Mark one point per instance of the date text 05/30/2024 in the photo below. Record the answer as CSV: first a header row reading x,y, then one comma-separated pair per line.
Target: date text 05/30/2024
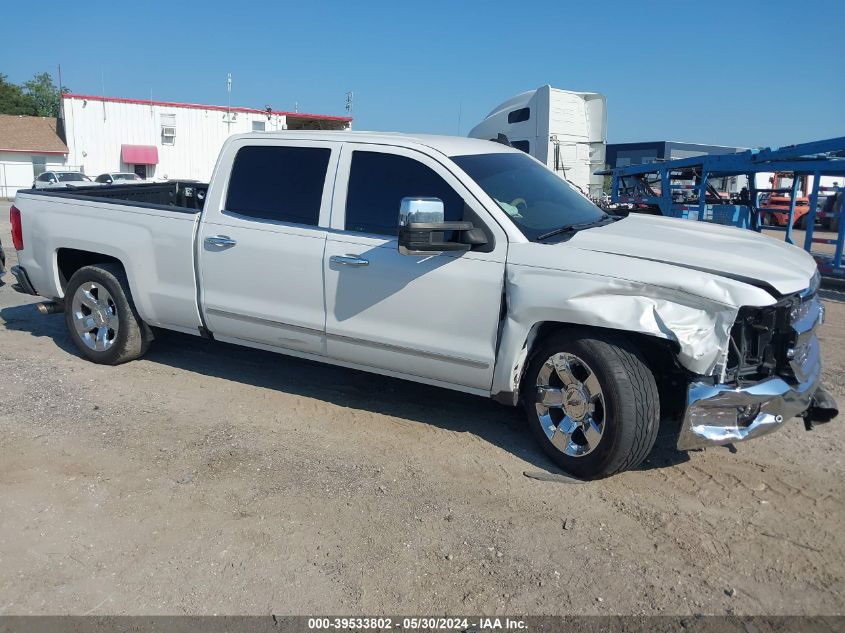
x,y
417,623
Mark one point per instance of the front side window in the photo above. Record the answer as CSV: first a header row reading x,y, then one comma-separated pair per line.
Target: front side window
x,y
535,198
103,178
284,184
377,184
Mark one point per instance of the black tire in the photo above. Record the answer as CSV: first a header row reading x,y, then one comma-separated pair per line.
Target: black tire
x,y
631,413
133,336
801,223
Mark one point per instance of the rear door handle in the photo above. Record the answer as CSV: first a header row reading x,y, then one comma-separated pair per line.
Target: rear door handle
x,y
220,240
349,260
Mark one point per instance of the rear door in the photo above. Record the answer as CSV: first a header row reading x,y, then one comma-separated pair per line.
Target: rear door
x,y
430,316
261,249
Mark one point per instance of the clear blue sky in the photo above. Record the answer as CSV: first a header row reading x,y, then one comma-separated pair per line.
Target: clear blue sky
x,y
743,73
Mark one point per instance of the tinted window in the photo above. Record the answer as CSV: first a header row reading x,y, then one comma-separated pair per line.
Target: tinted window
x,y
377,184
522,145
103,178
278,183
518,116
70,176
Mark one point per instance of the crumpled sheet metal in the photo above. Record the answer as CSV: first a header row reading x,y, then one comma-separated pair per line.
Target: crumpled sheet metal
x,y
659,303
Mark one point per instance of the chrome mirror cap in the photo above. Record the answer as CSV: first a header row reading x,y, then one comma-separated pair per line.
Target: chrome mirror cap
x,y
421,210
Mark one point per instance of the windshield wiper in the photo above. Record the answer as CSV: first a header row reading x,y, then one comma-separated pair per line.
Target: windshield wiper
x,y
569,228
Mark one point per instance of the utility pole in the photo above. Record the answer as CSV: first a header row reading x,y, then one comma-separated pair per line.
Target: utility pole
x,y
349,96
61,99
229,102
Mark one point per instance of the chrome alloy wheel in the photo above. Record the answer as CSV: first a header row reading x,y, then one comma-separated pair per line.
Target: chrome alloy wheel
x,y
570,404
95,316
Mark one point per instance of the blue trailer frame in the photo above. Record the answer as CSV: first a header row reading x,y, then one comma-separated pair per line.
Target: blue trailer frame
x,y
817,158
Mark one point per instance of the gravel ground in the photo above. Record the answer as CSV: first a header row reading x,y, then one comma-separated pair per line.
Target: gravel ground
x,y
207,478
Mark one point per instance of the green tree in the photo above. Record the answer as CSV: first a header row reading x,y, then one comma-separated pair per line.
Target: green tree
x,y
43,94
13,100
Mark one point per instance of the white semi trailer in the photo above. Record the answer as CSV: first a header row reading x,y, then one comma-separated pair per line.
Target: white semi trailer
x,y
565,130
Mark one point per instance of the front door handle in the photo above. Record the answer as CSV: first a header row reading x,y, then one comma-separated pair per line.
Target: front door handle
x,y
223,241
349,260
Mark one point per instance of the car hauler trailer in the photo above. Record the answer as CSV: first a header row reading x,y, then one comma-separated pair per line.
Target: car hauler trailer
x,y
684,189
565,130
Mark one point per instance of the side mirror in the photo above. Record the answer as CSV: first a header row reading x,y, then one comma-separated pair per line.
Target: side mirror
x,y
422,228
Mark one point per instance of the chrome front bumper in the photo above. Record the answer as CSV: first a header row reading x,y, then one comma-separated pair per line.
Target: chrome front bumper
x,y
722,414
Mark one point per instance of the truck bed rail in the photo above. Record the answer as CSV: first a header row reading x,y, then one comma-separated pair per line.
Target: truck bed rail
x,y
175,195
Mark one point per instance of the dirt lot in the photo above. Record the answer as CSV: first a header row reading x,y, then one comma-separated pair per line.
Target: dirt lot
x,y
208,478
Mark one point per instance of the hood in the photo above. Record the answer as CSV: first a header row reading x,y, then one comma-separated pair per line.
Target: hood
x,y
730,252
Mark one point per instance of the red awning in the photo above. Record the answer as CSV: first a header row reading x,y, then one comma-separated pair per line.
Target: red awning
x,y
139,154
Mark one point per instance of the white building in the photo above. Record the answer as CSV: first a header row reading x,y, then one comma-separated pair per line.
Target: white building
x,y
29,146
161,139
565,130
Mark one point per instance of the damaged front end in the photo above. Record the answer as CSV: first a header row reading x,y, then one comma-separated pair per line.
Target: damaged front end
x,y
771,374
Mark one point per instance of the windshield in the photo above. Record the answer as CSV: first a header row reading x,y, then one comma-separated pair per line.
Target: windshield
x,y
126,177
70,176
535,199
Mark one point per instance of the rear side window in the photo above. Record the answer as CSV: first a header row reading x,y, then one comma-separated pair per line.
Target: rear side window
x,y
284,184
377,184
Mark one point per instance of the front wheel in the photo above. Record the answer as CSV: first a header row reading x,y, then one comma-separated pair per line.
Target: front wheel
x,y
592,402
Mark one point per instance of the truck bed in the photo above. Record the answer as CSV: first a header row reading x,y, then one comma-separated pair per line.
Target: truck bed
x,y
149,228
175,195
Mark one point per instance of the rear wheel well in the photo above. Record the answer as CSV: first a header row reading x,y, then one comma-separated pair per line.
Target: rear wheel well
x,y
660,355
69,260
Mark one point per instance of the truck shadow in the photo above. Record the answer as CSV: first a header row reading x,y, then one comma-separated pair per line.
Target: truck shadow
x,y
499,425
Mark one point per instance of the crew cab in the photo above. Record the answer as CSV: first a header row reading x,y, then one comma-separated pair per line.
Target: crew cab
x,y
461,263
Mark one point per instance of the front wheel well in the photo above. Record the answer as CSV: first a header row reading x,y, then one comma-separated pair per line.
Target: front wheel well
x,y
69,260
660,356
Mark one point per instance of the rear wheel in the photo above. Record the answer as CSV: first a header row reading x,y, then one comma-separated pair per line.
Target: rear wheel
x,y
592,402
101,317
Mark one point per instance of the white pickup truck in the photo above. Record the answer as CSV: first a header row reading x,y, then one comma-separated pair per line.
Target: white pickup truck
x,y
455,262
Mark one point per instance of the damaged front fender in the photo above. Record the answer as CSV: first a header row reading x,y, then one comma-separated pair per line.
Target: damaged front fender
x,y
660,303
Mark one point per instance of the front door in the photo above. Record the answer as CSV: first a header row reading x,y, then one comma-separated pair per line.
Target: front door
x,y
434,316
141,171
261,246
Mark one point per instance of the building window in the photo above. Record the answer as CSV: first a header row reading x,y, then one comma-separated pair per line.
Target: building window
x,y
168,129
283,184
518,116
39,165
258,126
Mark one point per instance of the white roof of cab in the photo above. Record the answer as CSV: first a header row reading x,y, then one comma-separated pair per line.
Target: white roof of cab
x,y
448,145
